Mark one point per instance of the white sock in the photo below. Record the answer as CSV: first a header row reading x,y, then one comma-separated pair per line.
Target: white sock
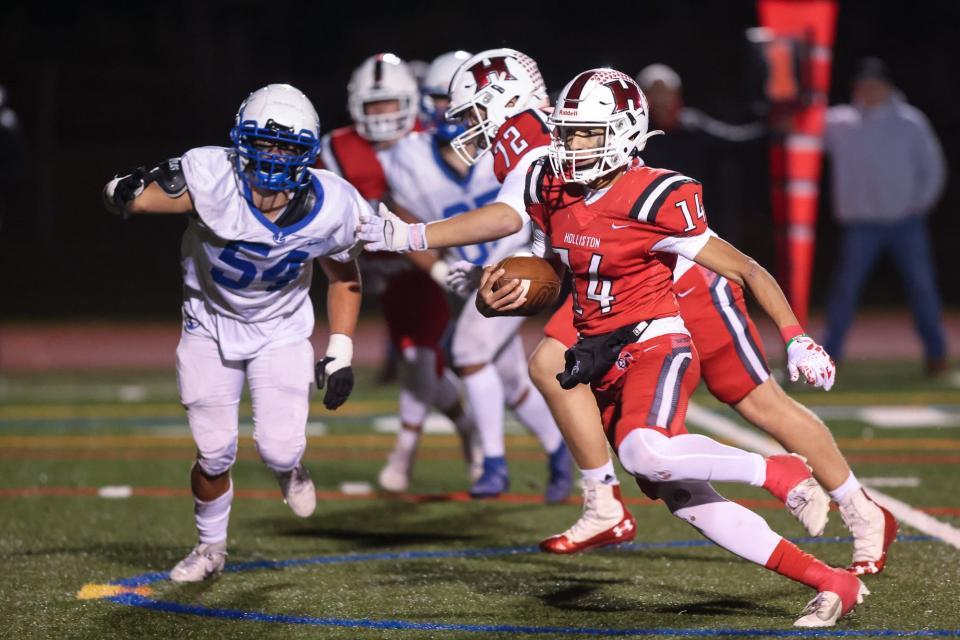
x,y
649,453
729,525
605,474
212,517
484,391
407,440
850,486
535,415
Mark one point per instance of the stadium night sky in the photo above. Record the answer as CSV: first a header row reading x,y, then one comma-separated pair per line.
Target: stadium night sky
x,y
100,88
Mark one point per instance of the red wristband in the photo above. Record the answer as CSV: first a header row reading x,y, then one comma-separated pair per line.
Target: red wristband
x,y
790,332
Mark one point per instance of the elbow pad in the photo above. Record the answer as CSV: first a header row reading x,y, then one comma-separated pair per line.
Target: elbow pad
x,y
169,176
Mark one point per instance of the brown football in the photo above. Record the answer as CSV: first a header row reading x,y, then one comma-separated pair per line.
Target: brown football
x,y
539,279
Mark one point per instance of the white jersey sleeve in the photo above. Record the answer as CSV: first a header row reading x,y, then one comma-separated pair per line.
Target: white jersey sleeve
x,y
421,181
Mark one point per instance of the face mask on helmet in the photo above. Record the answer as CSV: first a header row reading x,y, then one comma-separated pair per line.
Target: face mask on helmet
x,y
486,90
435,96
276,138
600,124
382,98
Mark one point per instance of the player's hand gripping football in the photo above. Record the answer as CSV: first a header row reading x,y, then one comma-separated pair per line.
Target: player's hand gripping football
x,y
507,297
334,371
464,277
807,358
387,232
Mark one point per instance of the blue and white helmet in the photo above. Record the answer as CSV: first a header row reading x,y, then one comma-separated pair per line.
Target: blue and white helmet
x,y
277,137
436,82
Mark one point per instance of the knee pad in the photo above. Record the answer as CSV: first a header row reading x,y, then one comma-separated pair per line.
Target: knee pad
x,y
214,431
641,454
280,454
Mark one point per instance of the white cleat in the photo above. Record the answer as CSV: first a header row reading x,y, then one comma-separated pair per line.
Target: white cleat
x,y
605,520
809,504
874,529
395,476
298,491
827,607
205,561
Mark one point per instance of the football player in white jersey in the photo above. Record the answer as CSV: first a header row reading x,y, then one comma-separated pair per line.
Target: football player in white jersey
x,y
429,181
382,100
257,217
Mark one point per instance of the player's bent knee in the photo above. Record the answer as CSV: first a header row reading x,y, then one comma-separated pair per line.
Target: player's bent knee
x,y
281,454
217,459
641,455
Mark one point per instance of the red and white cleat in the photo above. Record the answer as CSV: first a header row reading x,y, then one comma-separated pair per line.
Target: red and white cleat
x,y
874,529
789,479
605,520
838,597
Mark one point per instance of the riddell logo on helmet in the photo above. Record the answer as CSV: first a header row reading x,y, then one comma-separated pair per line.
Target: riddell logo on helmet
x,y
490,70
567,112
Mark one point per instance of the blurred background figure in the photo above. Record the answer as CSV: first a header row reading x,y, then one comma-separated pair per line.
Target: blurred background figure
x,y
10,155
699,146
888,172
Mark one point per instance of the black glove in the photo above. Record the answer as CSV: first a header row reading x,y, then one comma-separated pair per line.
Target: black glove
x,y
592,356
126,189
339,383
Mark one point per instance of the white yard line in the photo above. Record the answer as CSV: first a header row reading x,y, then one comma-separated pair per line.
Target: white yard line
x,y
752,439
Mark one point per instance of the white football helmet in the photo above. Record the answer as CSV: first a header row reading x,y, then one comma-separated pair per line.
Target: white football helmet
x,y
598,98
487,89
277,136
436,82
383,77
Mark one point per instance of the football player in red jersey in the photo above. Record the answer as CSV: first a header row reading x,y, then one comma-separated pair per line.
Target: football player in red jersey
x,y
383,103
618,226
733,366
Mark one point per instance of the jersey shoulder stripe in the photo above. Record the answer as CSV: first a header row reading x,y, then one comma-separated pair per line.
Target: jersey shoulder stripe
x,y
533,190
655,194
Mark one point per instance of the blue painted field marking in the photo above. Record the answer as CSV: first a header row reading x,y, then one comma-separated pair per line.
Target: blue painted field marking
x,y
143,602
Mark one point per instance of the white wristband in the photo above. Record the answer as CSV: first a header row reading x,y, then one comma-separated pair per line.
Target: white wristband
x,y
340,348
439,272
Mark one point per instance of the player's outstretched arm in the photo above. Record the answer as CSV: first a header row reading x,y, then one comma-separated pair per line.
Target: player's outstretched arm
x,y
804,356
334,371
387,232
160,190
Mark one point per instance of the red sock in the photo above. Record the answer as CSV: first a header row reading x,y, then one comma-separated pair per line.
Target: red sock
x,y
784,472
789,561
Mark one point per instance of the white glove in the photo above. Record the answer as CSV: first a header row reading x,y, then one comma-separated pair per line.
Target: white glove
x,y
387,232
464,277
806,357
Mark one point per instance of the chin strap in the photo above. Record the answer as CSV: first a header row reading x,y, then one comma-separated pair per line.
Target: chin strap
x,y
642,141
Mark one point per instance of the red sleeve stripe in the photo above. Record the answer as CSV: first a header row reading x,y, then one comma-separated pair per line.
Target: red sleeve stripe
x,y
648,204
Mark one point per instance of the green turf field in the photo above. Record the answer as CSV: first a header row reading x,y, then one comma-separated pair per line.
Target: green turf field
x,y
430,565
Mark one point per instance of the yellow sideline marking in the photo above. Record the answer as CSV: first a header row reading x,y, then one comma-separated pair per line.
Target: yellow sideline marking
x,y
93,591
